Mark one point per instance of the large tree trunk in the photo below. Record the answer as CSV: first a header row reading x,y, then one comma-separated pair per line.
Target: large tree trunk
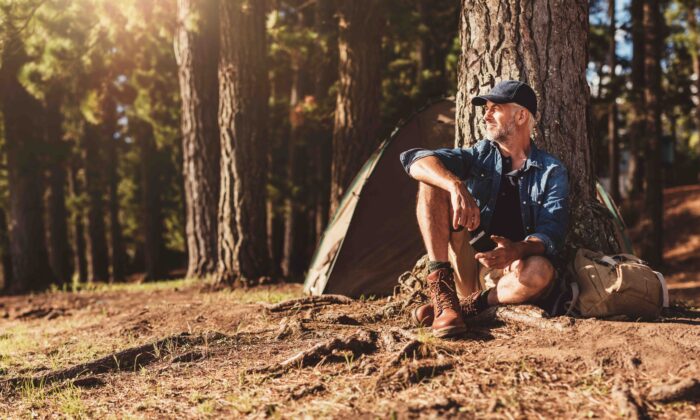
x,y
652,241
23,142
151,209
635,183
357,118
78,216
613,138
243,89
57,220
544,45
97,256
197,52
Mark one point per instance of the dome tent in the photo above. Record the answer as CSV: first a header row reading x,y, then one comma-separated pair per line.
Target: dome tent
x,y
373,236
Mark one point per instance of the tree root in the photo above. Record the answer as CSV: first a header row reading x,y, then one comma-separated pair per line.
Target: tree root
x,y
308,302
412,373
361,342
523,315
628,403
684,390
129,359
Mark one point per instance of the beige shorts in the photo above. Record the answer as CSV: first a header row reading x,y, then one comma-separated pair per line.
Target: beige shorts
x,y
469,274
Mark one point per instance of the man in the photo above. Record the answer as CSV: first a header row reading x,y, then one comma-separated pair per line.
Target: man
x,y
504,185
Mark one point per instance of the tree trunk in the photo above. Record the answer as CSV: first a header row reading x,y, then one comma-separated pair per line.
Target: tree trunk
x,y
534,42
242,246
357,118
97,256
23,142
116,240
76,192
197,52
151,211
652,241
613,138
5,258
636,133
58,244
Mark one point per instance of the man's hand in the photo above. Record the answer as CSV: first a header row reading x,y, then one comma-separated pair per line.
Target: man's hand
x,y
465,212
503,255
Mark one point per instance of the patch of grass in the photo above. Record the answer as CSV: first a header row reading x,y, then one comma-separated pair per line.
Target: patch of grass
x,y
264,294
14,342
70,403
133,287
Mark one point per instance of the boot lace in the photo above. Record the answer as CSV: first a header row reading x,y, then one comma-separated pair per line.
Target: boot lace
x,y
444,292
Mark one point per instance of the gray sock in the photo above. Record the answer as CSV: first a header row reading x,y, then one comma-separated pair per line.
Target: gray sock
x,y
437,265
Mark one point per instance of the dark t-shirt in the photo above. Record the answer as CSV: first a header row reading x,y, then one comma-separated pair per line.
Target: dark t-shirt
x,y
506,220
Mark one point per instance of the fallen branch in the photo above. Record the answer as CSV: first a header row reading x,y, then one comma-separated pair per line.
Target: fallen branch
x,y
410,350
683,390
523,315
309,301
129,359
358,343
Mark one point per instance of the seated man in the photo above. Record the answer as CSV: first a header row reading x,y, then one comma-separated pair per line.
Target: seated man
x,y
505,186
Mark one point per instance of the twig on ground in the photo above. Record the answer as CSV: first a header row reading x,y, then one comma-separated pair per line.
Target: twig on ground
x,y
398,379
628,404
309,301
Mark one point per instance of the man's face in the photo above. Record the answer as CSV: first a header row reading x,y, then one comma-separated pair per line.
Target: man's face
x,y
500,121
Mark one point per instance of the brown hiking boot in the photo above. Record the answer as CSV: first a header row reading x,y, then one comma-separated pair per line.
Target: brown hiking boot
x,y
447,320
423,315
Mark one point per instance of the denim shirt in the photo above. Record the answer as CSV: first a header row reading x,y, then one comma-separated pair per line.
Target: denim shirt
x,y
544,187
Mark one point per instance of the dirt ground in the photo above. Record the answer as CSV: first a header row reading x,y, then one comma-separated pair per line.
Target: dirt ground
x,y
177,349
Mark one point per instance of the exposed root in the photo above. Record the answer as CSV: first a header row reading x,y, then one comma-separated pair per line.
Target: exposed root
x,y
361,342
308,302
290,327
412,373
523,315
189,357
412,349
129,359
341,319
396,307
629,404
683,390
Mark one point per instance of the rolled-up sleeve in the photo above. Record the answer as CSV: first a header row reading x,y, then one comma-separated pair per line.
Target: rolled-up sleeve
x,y
458,161
553,219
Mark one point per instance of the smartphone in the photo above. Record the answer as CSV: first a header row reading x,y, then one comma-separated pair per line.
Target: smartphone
x,y
481,242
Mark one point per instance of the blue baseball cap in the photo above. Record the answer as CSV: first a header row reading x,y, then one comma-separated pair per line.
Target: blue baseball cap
x,y
510,91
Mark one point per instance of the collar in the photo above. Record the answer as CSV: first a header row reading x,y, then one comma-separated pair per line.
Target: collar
x,y
534,159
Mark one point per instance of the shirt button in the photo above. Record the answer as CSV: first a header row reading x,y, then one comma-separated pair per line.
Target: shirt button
x,y
524,202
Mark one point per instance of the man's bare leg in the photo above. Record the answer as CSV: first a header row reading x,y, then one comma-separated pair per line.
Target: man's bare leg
x,y
433,212
525,280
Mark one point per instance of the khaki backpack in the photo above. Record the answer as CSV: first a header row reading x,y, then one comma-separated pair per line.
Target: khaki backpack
x,y
612,285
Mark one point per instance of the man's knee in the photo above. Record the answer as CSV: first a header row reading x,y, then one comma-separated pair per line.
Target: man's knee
x,y
535,272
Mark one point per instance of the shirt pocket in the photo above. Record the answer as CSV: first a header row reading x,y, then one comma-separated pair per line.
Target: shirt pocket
x,y
534,203
479,184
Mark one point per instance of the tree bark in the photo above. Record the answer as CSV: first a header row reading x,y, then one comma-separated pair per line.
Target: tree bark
x,y
357,118
5,258
197,52
76,192
243,89
652,241
613,138
97,256
23,142
544,44
691,9
57,220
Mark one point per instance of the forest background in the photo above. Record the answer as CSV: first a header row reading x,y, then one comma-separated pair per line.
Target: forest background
x,y
116,154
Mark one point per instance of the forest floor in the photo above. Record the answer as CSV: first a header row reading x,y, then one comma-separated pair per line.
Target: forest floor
x,y
177,349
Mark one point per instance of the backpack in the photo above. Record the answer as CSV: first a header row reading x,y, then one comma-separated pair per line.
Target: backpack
x,y
613,285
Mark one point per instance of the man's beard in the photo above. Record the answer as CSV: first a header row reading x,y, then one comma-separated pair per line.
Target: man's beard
x,y
501,134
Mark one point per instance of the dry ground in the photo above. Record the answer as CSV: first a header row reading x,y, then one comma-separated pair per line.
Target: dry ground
x,y
175,349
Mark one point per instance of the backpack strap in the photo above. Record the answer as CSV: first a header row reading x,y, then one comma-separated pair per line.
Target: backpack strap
x,y
664,288
574,299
